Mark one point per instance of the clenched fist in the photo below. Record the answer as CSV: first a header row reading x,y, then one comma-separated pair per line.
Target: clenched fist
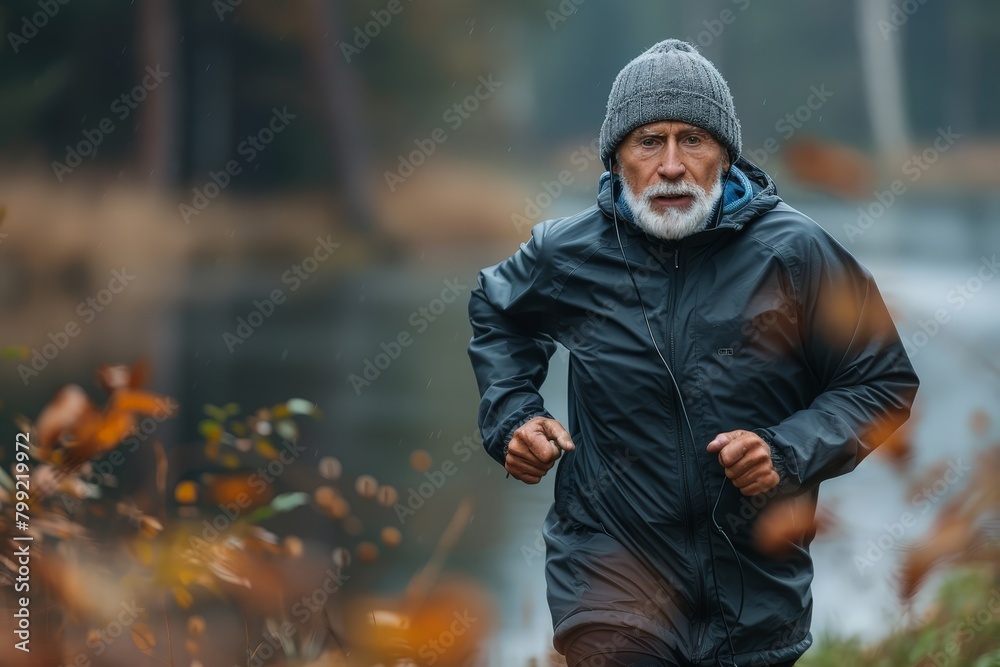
x,y
747,460
535,447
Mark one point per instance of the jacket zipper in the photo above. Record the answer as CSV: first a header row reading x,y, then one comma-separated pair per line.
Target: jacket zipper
x,y
679,415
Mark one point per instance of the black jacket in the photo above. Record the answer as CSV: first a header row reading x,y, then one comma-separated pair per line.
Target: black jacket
x,y
769,325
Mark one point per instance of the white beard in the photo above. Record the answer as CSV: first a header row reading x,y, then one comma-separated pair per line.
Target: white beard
x,y
673,224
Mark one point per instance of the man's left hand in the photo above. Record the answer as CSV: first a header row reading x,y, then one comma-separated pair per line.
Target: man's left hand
x,y
747,460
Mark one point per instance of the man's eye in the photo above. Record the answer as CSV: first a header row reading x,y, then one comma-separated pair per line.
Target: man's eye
x,y
693,140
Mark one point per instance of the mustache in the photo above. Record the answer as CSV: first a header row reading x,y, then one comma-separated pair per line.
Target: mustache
x,y
672,190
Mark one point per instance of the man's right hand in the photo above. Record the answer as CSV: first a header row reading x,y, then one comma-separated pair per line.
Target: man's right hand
x,y
535,447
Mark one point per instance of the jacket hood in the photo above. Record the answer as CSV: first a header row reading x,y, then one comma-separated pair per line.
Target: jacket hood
x,y
749,193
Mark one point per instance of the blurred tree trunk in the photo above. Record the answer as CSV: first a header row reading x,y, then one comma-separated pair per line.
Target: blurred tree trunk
x,y
964,58
209,90
342,103
158,38
883,76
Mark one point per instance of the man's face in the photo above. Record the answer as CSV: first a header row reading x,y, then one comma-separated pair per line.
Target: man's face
x,y
672,171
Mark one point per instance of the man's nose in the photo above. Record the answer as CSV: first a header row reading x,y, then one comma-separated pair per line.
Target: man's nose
x,y
671,166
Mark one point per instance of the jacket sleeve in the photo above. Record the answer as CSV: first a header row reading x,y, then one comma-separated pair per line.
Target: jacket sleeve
x,y
865,379
510,310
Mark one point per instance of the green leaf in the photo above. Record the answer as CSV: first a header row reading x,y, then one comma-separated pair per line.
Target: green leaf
x,y
6,481
209,428
16,352
289,501
300,406
283,503
215,412
287,429
989,660
926,643
260,514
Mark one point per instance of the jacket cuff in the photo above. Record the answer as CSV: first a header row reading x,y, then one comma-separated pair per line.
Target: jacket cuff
x,y
516,420
787,480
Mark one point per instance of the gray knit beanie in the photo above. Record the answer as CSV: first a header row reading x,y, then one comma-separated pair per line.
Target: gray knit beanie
x,y
670,81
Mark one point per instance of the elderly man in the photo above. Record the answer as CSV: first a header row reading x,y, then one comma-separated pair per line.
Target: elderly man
x,y
726,354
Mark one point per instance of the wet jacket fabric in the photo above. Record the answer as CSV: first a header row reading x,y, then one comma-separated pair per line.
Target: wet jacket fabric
x,y
768,324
